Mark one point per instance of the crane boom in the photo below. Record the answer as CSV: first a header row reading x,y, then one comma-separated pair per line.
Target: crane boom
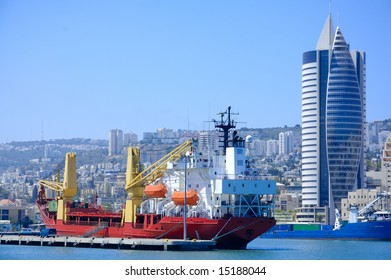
x,y
156,170
380,196
56,186
136,180
67,188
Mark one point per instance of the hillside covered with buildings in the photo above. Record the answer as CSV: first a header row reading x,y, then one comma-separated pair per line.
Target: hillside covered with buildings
x,y
273,152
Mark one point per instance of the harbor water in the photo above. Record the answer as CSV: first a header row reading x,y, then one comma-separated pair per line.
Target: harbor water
x,y
259,249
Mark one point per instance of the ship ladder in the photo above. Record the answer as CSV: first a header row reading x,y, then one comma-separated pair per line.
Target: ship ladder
x,y
95,230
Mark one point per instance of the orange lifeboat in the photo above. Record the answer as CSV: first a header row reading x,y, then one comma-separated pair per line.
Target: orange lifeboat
x,y
155,191
179,197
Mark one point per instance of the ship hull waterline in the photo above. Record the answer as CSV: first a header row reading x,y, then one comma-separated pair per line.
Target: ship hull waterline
x,y
229,233
366,231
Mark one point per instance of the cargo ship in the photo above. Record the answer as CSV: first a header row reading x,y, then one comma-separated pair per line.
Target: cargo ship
x,y
366,224
186,194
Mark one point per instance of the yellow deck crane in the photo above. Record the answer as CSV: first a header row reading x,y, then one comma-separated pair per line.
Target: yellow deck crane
x,y
136,180
65,190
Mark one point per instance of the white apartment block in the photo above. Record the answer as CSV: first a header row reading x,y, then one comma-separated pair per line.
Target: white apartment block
x,y
386,165
116,141
285,143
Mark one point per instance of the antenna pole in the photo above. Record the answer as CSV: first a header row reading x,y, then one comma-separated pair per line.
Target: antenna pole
x,y
225,126
184,203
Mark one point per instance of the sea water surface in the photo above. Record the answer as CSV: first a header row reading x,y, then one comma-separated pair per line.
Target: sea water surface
x,y
259,249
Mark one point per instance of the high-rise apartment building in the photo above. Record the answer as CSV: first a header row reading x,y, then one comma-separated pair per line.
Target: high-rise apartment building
x,y
386,165
116,141
130,138
259,147
333,120
271,148
285,142
208,141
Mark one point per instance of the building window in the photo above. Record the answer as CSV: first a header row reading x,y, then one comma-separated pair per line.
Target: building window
x,y
5,214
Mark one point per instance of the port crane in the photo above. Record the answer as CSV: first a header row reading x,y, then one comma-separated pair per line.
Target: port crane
x,y
68,186
65,190
369,205
136,180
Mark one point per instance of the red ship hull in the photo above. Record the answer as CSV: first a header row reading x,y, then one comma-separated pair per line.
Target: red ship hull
x,y
229,233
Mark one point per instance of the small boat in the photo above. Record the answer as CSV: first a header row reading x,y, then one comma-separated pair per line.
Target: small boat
x,y
365,224
191,198
29,231
155,191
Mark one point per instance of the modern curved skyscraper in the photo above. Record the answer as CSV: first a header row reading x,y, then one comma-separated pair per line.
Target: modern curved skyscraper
x,y
333,120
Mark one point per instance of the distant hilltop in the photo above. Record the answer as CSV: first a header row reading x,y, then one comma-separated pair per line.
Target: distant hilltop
x,y
90,151
72,141
262,133
22,153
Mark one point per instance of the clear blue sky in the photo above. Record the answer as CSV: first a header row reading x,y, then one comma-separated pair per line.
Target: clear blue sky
x,y
80,68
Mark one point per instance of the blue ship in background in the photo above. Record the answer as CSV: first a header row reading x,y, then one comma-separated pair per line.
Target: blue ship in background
x,y
366,224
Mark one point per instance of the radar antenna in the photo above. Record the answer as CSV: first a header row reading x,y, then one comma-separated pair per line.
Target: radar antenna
x,y
224,126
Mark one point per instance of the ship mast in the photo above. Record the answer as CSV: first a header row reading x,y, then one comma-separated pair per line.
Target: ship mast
x,y
225,125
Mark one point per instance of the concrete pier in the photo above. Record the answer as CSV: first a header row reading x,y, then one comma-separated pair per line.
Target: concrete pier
x,y
111,243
